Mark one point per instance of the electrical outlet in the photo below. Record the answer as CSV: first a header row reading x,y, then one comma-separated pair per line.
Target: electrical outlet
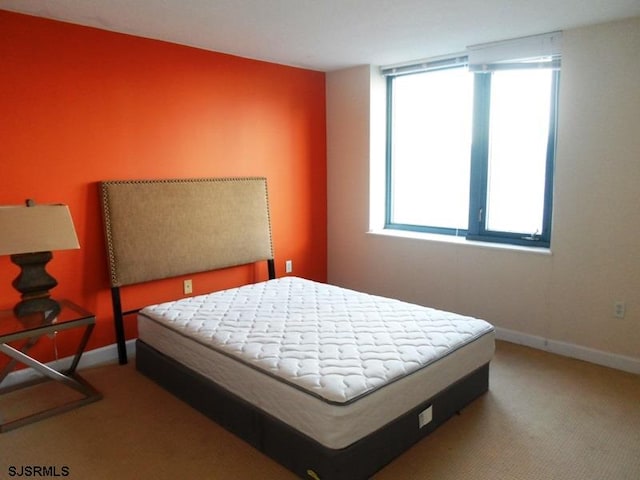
x,y
188,287
288,266
619,309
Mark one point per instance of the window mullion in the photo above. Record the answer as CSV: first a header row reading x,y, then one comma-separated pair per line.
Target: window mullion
x,y
550,164
389,150
479,154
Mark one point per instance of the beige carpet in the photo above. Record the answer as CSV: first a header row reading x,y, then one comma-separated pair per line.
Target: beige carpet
x,y
545,417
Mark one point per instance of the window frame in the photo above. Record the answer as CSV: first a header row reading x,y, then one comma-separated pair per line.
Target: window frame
x,y
478,157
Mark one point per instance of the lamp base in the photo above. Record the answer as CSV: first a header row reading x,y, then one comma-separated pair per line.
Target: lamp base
x,y
48,307
34,284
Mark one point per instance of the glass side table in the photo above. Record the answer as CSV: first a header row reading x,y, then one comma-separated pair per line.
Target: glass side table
x,y
24,333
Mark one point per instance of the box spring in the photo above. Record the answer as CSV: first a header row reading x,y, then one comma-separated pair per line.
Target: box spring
x,y
297,452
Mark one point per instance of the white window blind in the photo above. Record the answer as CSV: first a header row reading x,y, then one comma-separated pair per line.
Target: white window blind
x,y
536,51
527,52
425,65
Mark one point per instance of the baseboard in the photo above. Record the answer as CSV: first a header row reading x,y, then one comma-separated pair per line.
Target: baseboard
x,y
91,358
599,357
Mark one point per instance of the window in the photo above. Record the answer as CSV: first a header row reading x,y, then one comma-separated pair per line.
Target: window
x,y
431,142
470,148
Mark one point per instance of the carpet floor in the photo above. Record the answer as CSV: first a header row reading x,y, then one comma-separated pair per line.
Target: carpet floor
x,y
545,417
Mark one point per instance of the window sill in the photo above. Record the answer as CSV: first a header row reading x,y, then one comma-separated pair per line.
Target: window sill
x,y
450,239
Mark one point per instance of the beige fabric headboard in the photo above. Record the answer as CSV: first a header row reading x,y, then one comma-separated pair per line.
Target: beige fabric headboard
x,y
164,228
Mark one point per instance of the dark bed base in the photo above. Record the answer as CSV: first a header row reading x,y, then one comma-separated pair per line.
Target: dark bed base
x,y
294,450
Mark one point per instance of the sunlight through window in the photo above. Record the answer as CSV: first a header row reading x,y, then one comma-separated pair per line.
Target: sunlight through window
x,y
519,131
432,142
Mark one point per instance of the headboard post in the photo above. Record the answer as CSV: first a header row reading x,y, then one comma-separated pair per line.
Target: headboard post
x,y
271,266
118,321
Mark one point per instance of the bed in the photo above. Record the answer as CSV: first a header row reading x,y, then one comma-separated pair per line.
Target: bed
x,y
330,382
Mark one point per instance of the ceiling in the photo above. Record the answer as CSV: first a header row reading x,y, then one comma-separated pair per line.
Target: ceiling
x,y
328,35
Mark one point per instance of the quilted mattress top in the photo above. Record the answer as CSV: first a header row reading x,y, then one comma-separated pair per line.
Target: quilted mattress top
x,y
328,341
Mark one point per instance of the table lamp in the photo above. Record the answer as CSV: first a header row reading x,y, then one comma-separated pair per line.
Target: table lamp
x,y
29,233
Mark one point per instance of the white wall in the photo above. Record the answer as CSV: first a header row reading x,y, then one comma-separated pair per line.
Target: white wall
x,y
561,301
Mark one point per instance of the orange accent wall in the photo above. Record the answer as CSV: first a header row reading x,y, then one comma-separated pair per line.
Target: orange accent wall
x,y
79,105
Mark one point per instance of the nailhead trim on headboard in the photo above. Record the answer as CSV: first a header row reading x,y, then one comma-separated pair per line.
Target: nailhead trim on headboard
x,y
190,226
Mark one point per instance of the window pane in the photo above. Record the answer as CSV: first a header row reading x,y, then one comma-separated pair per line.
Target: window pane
x,y
519,129
431,120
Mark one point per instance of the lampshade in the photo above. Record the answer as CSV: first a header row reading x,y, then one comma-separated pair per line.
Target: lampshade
x,y
29,234
39,228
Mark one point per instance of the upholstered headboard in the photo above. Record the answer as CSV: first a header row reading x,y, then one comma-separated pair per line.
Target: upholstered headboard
x,y
158,229
164,228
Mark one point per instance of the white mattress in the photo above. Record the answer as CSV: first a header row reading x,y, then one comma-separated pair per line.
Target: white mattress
x,y
333,363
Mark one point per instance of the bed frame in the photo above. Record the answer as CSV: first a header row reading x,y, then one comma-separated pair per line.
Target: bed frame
x,y
197,225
